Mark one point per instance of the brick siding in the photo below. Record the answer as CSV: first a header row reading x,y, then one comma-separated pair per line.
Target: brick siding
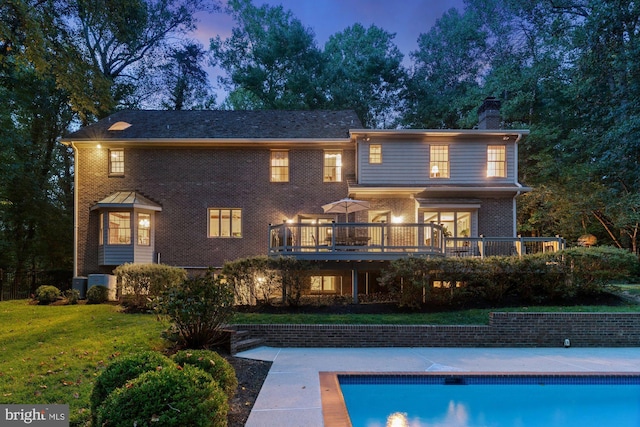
x,y
187,181
504,330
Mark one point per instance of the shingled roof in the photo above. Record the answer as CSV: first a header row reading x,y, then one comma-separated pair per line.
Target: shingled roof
x,y
258,124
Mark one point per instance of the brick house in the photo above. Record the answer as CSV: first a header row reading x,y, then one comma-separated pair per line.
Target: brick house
x,y
197,188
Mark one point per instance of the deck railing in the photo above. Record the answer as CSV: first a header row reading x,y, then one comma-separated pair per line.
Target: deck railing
x,y
386,241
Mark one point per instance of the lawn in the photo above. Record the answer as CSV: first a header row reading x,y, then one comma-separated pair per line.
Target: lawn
x,y
462,317
52,354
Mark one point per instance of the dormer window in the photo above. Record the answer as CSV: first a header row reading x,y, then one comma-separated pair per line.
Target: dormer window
x,y
375,154
119,126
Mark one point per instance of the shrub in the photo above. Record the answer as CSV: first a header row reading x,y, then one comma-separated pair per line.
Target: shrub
x,y
47,294
212,363
169,397
295,277
592,268
123,369
253,280
72,295
97,295
198,309
140,283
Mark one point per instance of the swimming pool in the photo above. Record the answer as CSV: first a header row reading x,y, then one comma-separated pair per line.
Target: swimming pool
x,y
491,400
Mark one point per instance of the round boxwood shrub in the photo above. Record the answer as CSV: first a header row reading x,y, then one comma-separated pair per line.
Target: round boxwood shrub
x,y
212,363
171,397
47,294
123,369
97,295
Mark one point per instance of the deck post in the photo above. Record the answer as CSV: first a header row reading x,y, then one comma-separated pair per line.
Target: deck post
x,y
354,284
481,246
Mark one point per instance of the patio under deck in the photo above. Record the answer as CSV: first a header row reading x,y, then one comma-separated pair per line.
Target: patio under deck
x,y
382,242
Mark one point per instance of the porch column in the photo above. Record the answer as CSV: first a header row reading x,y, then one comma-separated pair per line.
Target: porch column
x,y
354,285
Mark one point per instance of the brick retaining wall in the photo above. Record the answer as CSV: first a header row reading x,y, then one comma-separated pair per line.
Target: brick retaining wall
x,y
504,330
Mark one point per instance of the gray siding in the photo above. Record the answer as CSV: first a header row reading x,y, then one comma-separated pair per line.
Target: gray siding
x,y
407,163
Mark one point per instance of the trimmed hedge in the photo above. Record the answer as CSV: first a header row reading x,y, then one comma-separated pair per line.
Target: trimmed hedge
x,y
170,397
140,283
541,278
212,363
123,369
47,294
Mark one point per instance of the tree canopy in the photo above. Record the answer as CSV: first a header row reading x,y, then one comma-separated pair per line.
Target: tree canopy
x,y
567,70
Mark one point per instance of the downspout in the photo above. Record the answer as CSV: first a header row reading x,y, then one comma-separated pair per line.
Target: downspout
x,y
75,209
515,212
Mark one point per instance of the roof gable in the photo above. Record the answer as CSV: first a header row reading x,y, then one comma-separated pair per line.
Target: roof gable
x,y
256,124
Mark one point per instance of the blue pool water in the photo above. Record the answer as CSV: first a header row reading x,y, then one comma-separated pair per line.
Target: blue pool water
x,y
511,402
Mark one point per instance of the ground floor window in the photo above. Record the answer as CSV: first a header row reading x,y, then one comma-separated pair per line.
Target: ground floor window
x,y
456,224
322,284
119,228
144,229
224,222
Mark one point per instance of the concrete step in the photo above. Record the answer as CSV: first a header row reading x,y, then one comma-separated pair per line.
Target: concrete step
x,y
246,344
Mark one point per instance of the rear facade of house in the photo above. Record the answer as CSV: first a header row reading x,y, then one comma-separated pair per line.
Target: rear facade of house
x,y
197,188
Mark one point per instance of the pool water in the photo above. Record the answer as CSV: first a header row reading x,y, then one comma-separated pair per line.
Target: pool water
x,y
462,404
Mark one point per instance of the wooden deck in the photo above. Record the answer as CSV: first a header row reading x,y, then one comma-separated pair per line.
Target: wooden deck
x,y
382,241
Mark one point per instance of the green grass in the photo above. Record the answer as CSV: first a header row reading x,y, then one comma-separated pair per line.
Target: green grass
x,y
52,354
463,317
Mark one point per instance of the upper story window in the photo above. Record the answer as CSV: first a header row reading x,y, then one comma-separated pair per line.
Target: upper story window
x,y
225,222
119,228
116,162
332,166
439,161
496,161
279,166
375,154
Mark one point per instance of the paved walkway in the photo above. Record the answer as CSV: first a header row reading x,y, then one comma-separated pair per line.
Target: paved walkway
x,y
290,396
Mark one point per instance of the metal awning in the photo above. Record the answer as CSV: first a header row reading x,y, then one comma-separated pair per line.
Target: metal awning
x,y
127,200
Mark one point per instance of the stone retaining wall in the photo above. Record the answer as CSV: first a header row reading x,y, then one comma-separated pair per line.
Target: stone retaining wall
x,y
504,330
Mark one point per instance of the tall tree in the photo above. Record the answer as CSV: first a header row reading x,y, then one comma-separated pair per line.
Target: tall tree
x,y
271,58
444,84
120,36
185,80
364,72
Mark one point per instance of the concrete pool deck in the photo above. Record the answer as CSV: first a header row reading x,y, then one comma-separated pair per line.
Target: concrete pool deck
x,y
290,395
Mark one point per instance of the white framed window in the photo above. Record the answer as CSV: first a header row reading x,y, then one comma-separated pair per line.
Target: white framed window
x,y
332,169
439,161
375,154
279,166
116,162
144,229
225,222
101,235
321,284
496,161
119,228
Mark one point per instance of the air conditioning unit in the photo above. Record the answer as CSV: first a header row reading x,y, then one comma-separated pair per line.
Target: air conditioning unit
x,y
107,280
80,284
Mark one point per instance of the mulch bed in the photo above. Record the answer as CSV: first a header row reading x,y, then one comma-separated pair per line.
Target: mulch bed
x,y
251,375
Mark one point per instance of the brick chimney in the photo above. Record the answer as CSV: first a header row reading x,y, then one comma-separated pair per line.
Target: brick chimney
x,y
489,114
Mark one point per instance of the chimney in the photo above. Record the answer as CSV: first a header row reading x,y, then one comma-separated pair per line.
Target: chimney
x,y
489,114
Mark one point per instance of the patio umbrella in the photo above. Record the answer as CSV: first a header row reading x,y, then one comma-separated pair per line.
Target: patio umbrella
x,y
346,206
